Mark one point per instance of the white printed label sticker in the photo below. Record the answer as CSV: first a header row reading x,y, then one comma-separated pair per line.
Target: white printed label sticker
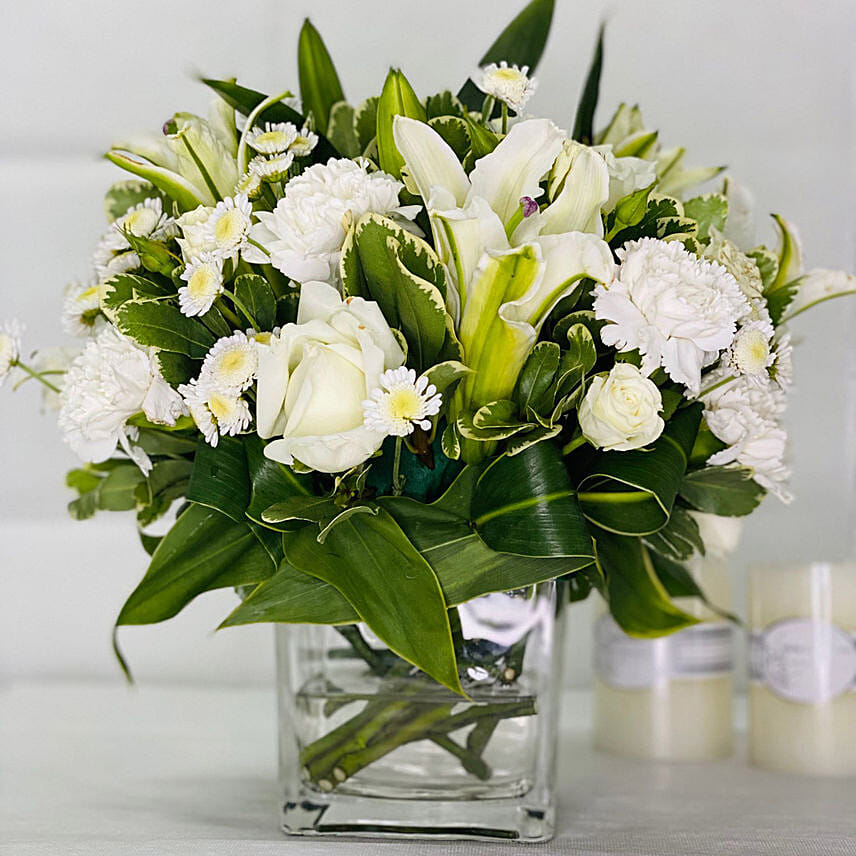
x,y
802,660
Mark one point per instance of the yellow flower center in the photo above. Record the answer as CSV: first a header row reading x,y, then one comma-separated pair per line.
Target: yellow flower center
x,y
273,139
229,227
233,361
203,282
140,222
508,75
220,405
404,404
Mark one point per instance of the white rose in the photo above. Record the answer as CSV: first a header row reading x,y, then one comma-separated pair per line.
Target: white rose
x,y
621,411
314,376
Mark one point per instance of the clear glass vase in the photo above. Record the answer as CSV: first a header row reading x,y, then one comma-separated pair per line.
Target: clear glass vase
x,y
369,746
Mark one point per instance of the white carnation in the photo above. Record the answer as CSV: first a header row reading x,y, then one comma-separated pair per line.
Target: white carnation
x,y
678,311
305,232
110,381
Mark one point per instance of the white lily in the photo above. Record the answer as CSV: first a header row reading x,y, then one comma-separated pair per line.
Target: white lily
x,y
508,270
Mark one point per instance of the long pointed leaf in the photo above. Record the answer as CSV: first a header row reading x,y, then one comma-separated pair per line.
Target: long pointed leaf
x,y
396,99
320,87
584,121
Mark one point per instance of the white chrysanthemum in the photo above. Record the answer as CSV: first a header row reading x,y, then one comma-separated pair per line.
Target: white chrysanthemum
x,y
215,411
114,255
231,364
194,240
227,228
250,185
110,381
745,416
81,309
303,143
508,83
271,169
273,139
204,278
10,346
400,403
782,369
751,352
678,311
305,232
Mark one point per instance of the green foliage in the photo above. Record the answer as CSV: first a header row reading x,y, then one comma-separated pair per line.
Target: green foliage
x,y
536,378
124,195
365,122
727,491
663,218
320,87
679,538
177,368
220,478
396,99
129,287
633,493
270,481
342,130
163,326
172,185
628,212
709,211
154,255
584,121
444,104
679,582
521,42
455,132
256,300
482,141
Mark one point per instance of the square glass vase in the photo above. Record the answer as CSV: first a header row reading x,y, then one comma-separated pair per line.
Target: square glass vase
x,y
371,747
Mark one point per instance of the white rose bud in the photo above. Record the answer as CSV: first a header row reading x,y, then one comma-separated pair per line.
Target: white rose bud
x,y
621,411
314,376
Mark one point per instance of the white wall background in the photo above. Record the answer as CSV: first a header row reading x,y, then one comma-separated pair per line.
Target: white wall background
x,y
766,87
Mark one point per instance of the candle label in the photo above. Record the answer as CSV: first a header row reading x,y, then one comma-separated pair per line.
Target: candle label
x,y
701,651
802,660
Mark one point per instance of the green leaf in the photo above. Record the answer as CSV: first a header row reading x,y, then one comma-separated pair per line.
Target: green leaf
x,y
84,506
116,492
341,517
679,582
638,600
177,369
220,478
584,121
342,130
170,183
293,597
320,88
520,442
365,121
82,480
679,538
404,275
526,504
396,99
390,585
158,441
164,326
257,297
443,375
127,287
632,493
521,42
124,195
310,509
709,211
270,481
536,379
455,132
482,140
727,491
444,104
767,263
154,255
246,100
204,550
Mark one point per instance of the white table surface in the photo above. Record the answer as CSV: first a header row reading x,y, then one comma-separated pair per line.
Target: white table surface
x,y
100,769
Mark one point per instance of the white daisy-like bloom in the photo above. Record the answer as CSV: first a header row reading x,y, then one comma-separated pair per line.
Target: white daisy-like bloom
x,y
745,416
303,143
250,185
231,364
401,402
227,227
751,352
114,255
216,412
10,346
272,139
81,309
509,83
305,232
111,380
271,169
204,278
782,369
677,310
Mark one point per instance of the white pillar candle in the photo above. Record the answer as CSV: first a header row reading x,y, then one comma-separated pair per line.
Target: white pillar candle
x,y
668,699
802,653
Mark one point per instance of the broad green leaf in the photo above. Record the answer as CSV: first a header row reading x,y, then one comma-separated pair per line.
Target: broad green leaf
x,y
536,379
451,443
455,132
255,298
679,538
443,375
170,183
342,130
116,492
629,210
124,195
341,517
246,100
293,597
150,542
584,121
204,550
709,211
444,104
351,270
482,140
632,493
526,504
396,99
220,478
580,357
679,582
157,441
84,506
521,42
82,480
176,368
497,414
129,287
390,585
320,88
164,326
727,491
365,121
403,274
310,509
637,598
270,481
521,442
